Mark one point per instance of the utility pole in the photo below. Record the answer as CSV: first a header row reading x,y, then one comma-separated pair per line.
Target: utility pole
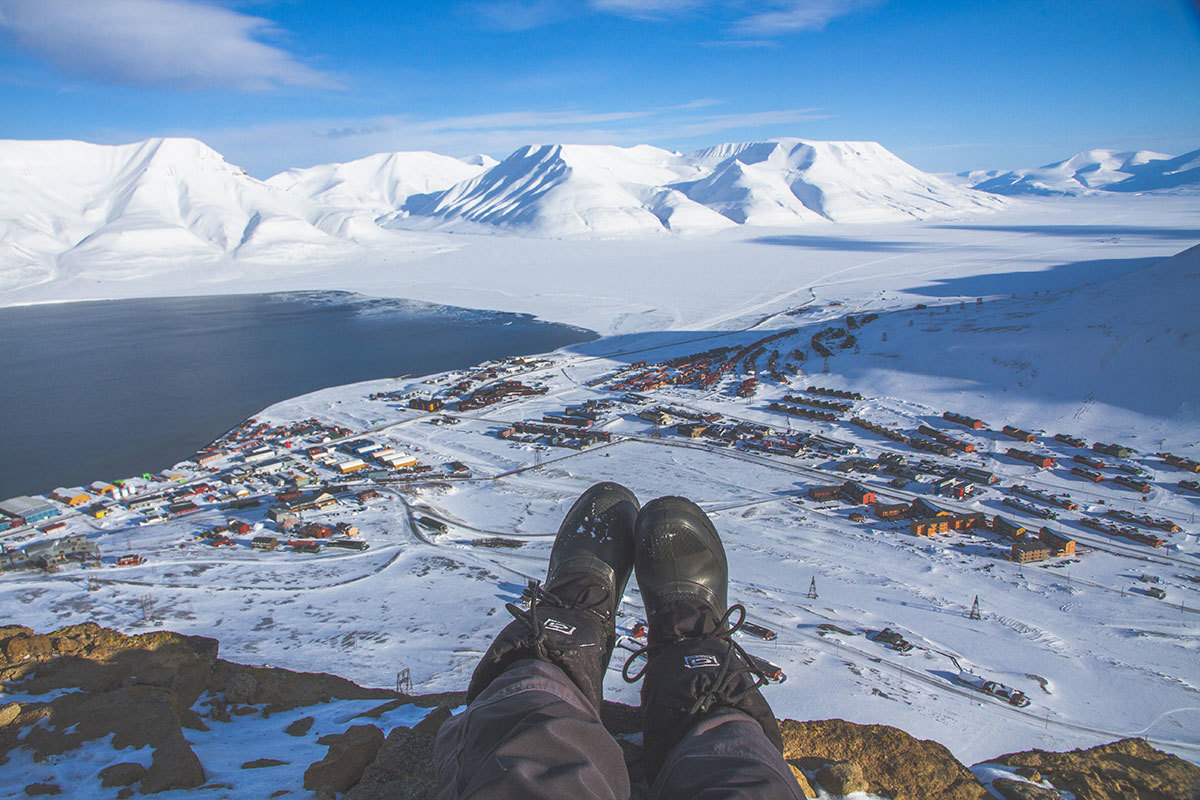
x,y
812,588
975,612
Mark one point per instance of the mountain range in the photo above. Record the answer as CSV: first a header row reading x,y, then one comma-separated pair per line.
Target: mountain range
x,y
1094,170
120,208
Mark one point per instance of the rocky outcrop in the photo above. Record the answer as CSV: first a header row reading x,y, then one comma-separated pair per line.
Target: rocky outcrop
x,y
403,769
349,754
122,774
283,690
141,690
1011,789
887,760
1129,768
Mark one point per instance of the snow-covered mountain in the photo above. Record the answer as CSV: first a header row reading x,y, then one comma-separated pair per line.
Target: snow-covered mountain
x,y
67,203
789,181
380,184
570,190
579,190
1093,170
1181,172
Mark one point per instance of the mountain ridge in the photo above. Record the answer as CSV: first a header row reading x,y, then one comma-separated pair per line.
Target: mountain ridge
x,y
1092,171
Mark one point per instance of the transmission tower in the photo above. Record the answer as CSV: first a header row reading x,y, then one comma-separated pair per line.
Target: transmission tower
x,y
975,612
812,588
404,681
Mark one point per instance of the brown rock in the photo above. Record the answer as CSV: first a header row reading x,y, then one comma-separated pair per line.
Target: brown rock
x,y
244,711
403,768
259,763
892,762
802,780
299,727
122,774
97,659
240,688
1129,768
37,789
349,754
1011,789
218,713
9,713
137,716
283,690
125,793
190,719
842,777
279,793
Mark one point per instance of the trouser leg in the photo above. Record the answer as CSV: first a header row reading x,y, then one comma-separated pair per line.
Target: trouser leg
x,y
530,734
725,756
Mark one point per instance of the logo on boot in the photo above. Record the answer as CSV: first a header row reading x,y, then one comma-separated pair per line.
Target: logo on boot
x,y
698,662
559,627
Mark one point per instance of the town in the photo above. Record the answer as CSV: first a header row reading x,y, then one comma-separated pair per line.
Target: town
x,y
856,524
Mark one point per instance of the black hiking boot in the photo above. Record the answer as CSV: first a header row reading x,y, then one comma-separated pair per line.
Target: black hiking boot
x,y
571,618
693,666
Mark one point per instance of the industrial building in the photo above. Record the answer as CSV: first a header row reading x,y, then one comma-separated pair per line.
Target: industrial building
x,y
30,509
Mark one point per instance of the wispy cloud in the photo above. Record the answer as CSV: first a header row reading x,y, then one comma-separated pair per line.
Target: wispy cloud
x,y
175,43
764,20
518,15
265,149
788,16
646,9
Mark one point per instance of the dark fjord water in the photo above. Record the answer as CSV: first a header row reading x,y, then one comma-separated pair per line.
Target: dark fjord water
x,y
104,390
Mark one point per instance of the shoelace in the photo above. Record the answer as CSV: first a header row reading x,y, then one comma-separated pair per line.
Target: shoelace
x,y
722,692
529,618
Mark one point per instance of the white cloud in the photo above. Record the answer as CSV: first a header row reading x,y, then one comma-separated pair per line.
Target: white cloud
x,y
518,15
762,18
274,147
176,43
787,16
645,8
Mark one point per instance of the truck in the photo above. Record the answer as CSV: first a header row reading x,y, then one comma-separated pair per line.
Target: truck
x,y
1014,697
759,631
769,670
433,525
893,640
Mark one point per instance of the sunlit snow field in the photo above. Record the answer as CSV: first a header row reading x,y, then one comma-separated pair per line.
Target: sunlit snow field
x,y
1098,657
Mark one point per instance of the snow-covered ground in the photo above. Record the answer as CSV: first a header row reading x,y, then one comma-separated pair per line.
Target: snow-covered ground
x,y
1096,654
1081,329
716,281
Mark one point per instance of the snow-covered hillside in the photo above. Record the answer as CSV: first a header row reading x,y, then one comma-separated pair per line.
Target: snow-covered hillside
x,y
379,184
65,205
576,190
790,181
1093,170
570,190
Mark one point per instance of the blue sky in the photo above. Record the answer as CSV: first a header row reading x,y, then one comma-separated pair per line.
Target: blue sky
x,y
946,84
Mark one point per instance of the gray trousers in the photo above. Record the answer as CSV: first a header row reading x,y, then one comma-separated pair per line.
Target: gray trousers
x,y
532,734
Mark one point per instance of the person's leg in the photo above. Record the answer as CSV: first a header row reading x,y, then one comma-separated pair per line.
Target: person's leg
x,y
708,731
532,728
725,755
530,734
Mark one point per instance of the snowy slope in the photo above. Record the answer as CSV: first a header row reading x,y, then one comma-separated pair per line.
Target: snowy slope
x,y
576,190
572,190
789,181
380,183
1182,172
68,204
1113,359
1089,170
